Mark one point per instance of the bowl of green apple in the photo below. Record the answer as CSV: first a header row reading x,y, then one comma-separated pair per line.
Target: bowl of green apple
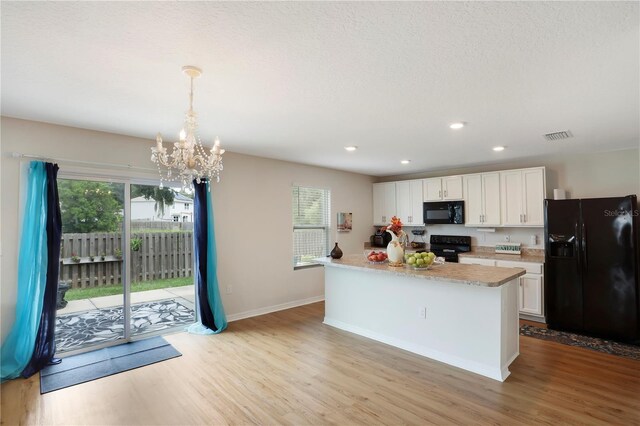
x,y
422,260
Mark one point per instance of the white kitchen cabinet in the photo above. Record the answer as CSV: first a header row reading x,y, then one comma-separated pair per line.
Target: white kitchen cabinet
x,y
530,294
445,188
452,188
482,199
522,195
409,202
384,202
531,288
432,189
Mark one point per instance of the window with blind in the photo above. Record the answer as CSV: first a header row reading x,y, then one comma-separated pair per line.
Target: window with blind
x,y
311,207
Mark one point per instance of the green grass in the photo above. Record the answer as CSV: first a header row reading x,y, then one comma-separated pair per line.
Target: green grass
x,y
110,290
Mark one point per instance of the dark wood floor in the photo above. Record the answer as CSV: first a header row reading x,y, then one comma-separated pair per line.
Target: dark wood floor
x,y
289,368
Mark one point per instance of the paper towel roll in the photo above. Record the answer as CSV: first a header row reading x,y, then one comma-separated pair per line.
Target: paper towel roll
x,y
559,194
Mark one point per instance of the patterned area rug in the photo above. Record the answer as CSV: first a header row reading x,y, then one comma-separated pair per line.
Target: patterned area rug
x,y
79,329
593,343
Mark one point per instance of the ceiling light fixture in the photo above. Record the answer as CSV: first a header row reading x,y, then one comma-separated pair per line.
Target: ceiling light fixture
x,y
456,126
405,161
351,148
188,160
498,148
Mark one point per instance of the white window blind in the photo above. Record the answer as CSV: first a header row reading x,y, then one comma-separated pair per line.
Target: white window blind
x,y
311,207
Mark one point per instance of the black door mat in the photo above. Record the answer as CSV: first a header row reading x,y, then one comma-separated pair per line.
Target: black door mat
x,y
572,339
104,362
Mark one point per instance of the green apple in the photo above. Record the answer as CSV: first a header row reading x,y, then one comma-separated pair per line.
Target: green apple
x,y
420,262
411,260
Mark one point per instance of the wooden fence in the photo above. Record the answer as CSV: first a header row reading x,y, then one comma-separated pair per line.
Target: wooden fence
x,y
161,225
161,255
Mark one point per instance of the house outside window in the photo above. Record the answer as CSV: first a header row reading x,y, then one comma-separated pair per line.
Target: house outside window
x,y
176,218
186,206
311,227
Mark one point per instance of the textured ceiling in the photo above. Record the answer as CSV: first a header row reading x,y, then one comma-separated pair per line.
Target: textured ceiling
x,y
300,80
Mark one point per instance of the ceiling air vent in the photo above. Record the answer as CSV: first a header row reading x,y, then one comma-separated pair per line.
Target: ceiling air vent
x,y
556,136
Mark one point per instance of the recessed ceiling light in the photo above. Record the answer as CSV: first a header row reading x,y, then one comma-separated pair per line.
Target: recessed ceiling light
x,y
498,148
405,161
351,148
458,125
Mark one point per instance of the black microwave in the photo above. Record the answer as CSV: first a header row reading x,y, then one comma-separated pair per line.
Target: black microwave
x,y
439,212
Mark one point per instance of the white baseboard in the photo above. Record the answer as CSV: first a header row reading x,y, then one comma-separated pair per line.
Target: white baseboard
x,y
274,308
534,318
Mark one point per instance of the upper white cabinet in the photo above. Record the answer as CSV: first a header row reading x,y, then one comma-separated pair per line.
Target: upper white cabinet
x,y
506,198
409,202
445,188
482,199
384,202
522,197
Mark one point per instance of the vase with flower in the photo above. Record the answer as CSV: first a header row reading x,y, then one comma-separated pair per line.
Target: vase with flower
x,y
395,248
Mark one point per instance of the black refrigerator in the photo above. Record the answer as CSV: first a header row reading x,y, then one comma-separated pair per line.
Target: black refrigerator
x,y
591,267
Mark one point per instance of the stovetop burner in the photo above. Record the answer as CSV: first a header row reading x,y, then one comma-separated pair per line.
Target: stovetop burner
x,y
448,246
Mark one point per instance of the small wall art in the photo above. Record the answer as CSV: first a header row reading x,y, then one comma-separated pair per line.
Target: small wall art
x,y
344,222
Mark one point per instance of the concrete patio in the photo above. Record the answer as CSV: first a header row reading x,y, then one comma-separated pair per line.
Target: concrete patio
x,y
184,292
97,320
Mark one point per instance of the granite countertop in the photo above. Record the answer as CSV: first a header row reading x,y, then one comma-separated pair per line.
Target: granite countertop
x,y
485,276
527,255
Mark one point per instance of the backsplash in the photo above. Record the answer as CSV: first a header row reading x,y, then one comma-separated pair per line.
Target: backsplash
x,y
487,239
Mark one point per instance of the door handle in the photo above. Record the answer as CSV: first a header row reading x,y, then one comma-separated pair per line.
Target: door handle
x,y
584,246
445,192
524,218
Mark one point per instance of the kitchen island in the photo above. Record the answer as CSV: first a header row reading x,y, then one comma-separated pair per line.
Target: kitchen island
x,y
462,315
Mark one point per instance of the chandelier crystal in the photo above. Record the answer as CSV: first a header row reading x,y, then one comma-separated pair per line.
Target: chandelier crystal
x,y
189,160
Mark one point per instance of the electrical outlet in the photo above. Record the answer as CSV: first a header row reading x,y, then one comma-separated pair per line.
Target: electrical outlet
x,y
423,313
507,238
229,289
534,240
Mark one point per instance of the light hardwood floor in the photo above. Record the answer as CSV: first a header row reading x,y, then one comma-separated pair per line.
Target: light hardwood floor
x,y
289,368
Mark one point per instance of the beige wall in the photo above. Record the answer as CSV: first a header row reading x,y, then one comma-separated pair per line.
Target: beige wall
x,y
252,206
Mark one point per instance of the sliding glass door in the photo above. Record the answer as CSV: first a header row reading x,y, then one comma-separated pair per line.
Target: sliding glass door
x,y
161,259
91,290
126,262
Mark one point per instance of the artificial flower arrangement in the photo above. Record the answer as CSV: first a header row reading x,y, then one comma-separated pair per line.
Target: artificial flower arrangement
x,y
396,227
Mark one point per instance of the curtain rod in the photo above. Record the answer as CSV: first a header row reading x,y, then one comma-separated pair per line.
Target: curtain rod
x,y
79,162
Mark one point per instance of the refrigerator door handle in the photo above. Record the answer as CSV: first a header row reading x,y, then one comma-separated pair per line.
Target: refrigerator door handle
x,y
584,246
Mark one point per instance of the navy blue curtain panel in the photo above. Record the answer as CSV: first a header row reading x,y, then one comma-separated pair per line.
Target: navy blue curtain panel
x,y
200,233
45,347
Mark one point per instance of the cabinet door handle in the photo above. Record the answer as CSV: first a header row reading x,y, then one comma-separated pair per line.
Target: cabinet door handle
x,y
524,218
410,219
445,192
440,194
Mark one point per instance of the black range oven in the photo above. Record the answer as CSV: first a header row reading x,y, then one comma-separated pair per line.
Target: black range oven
x,y
448,246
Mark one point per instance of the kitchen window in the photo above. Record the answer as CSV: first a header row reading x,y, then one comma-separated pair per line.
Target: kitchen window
x,y
311,207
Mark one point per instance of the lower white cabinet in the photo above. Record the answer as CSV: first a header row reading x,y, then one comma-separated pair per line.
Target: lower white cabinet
x,y
530,294
530,285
